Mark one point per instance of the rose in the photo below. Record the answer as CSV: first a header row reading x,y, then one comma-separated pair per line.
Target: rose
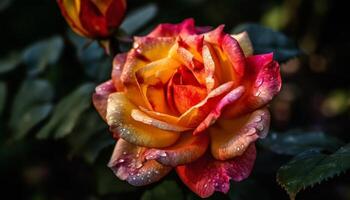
x,y
188,98
93,18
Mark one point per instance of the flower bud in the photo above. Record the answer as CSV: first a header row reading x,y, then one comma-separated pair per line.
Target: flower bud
x,y
96,19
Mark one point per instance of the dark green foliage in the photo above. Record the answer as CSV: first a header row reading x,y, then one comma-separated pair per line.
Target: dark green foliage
x,y
311,167
31,105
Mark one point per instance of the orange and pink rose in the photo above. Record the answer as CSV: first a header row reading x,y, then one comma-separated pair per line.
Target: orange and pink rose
x,y
188,98
93,18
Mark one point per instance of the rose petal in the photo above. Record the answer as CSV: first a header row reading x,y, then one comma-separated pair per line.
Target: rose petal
x,y
207,175
131,87
144,118
70,10
184,28
99,98
115,13
263,82
234,53
189,60
119,119
215,36
159,71
153,48
196,114
128,163
187,149
102,5
118,65
231,138
209,67
244,42
231,97
92,19
186,96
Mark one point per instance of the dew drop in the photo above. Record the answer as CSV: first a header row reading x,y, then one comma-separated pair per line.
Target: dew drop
x,y
120,161
260,127
259,82
138,165
163,154
150,157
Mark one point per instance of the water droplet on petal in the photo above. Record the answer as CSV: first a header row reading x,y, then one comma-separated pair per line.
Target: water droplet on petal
x,y
138,165
120,161
259,82
260,127
163,154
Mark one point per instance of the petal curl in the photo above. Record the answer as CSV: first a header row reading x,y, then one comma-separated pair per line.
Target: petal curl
x,y
263,82
207,175
231,138
120,121
128,163
131,87
234,52
99,98
153,48
144,118
196,114
245,43
186,27
231,97
118,65
186,150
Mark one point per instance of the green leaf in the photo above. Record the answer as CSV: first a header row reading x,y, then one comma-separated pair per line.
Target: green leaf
x,y
96,144
139,18
31,105
296,141
87,51
43,53
312,167
89,124
90,136
3,92
10,62
96,64
266,40
68,112
166,190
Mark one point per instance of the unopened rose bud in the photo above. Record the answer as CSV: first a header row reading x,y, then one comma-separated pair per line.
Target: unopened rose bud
x,y
96,19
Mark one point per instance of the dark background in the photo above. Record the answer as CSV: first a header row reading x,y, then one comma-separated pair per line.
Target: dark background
x,y
315,97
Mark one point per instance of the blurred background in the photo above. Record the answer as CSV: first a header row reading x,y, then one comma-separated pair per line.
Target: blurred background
x,y
53,145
